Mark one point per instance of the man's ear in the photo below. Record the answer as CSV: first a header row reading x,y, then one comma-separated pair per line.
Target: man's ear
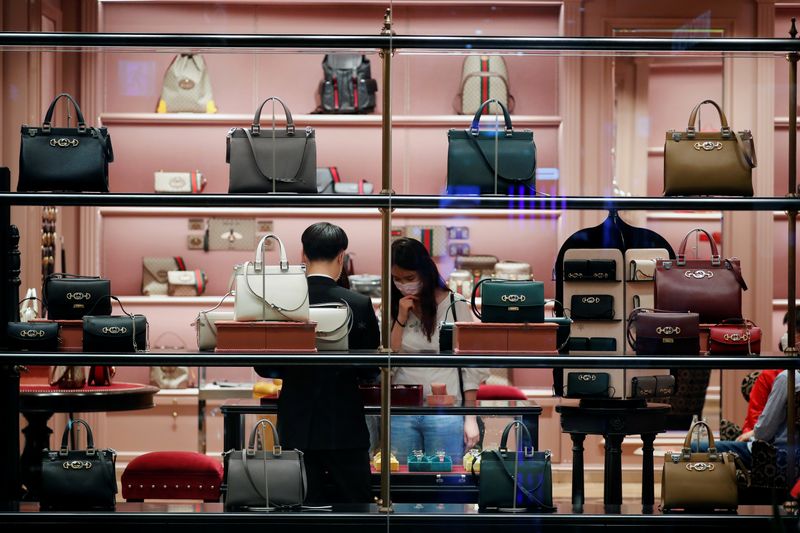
x,y
304,258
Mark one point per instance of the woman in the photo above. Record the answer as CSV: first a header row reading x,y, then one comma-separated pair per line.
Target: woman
x,y
420,303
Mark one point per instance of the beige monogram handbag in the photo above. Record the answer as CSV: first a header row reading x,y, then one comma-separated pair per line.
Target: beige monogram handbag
x,y
187,87
154,273
271,292
482,78
186,282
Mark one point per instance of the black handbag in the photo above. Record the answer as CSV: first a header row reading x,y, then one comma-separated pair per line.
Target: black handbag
x,y
588,385
78,479
509,301
272,161
592,307
70,297
491,162
117,333
592,344
446,328
64,159
33,336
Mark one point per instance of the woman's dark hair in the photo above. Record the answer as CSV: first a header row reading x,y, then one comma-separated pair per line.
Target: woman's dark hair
x,y
410,254
323,241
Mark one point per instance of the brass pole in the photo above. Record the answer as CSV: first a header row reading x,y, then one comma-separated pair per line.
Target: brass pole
x,y
385,504
791,350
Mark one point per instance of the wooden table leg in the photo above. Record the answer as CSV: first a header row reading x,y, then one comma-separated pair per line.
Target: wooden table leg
x,y
648,482
612,490
577,468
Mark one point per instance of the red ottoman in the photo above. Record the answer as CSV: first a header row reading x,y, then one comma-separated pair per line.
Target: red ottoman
x,y
172,476
499,392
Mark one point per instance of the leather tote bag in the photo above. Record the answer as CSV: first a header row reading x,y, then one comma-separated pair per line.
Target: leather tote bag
x,y
509,301
272,161
711,288
64,159
709,163
699,480
78,479
265,479
663,333
489,161
121,333
334,322
70,297
270,292
187,87
515,479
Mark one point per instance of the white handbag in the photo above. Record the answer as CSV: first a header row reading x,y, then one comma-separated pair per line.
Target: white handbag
x,y
179,182
334,322
206,325
269,292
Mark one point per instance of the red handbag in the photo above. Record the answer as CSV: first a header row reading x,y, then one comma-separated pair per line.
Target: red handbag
x,y
735,339
711,288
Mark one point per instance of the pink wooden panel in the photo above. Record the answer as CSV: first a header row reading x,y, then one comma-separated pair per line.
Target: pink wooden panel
x,y
783,21
476,20
674,230
780,281
781,173
166,17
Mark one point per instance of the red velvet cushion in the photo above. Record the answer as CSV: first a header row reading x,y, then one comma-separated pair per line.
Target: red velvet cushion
x,y
795,492
500,392
173,476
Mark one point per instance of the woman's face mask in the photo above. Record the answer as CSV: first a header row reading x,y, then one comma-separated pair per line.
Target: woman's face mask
x,y
409,289
406,281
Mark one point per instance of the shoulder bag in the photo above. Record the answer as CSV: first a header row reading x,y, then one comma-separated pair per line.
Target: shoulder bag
x,y
265,479
268,292
509,301
272,161
64,159
69,296
33,336
121,333
206,325
186,282
729,338
154,273
515,479
489,161
663,333
334,322
699,480
78,479
709,163
710,287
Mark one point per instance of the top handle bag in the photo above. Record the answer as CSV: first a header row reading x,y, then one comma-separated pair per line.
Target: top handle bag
x,y
272,161
491,162
709,163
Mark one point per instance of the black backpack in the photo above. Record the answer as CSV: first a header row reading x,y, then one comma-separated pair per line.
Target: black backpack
x,y
348,86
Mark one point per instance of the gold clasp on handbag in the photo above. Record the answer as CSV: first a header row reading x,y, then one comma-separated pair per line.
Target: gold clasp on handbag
x,y
513,298
708,146
699,467
736,337
668,330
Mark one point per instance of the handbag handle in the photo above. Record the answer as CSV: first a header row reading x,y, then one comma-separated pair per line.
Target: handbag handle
x,y
251,445
452,307
687,442
259,262
63,451
48,117
255,128
690,129
476,120
504,438
715,257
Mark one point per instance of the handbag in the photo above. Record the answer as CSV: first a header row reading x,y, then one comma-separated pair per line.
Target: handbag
x,y
699,480
69,296
588,385
64,159
116,333
329,182
446,328
186,282
712,288
267,292
179,182
592,307
512,270
154,273
206,325
33,336
515,479
348,86
642,269
67,377
186,87
743,338
509,301
664,333
334,322
590,270
483,77
258,478
709,163
652,386
491,162
170,377
276,161
78,479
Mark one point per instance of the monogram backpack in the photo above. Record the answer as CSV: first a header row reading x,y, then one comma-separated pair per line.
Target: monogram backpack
x,y
187,87
348,86
482,78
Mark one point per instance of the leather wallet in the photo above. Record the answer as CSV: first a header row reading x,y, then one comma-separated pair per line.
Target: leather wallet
x,y
649,386
590,270
592,307
592,344
587,385
33,336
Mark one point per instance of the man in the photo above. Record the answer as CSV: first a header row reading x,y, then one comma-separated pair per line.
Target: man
x,y
320,410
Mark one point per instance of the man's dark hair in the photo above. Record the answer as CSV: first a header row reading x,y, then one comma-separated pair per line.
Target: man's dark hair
x,y
796,317
323,241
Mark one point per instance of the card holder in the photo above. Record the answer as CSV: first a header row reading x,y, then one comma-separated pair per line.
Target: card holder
x,y
592,307
590,270
588,385
642,270
592,344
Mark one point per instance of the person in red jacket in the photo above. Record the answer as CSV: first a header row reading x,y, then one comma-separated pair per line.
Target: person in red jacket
x,y
758,399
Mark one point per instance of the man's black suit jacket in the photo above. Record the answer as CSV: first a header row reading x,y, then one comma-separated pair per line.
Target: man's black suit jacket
x,y
320,408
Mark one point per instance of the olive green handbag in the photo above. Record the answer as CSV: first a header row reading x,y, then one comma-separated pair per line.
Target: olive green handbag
x,y
709,163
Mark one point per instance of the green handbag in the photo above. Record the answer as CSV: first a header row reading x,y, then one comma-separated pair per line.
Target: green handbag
x,y
509,301
533,488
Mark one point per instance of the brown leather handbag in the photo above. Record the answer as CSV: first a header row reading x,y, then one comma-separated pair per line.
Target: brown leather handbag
x,y
712,288
699,480
709,163
664,333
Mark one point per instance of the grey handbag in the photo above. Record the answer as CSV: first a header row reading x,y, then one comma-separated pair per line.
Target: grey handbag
x,y
272,161
263,480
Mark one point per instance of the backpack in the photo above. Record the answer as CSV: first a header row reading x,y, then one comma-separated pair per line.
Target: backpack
x,y
187,87
348,86
482,78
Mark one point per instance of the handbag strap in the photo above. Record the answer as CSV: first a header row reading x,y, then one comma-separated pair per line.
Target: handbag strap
x,y
687,442
48,117
261,170
259,262
507,430
251,444
530,494
335,305
133,321
474,297
65,437
715,257
476,120
690,128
